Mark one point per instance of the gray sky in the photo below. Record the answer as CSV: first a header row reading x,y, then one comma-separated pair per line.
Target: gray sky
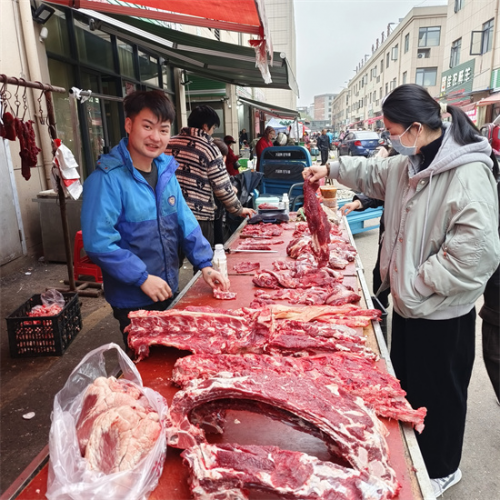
x,y
334,35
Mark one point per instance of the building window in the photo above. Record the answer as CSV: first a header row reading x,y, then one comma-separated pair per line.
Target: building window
x,y
387,60
126,58
393,84
149,69
481,41
458,5
394,53
424,53
407,42
381,66
456,46
94,47
429,36
386,88
405,77
426,77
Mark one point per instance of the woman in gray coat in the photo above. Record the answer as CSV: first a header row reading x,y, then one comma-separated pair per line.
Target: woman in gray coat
x,y
439,249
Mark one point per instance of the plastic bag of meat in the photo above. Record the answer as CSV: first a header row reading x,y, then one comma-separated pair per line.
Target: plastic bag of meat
x,y
108,436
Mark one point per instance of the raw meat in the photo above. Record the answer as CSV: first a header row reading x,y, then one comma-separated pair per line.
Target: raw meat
x,y
348,427
356,374
219,331
246,267
228,471
261,230
267,206
221,295
335,295
317,222
258,244
117,427
304,276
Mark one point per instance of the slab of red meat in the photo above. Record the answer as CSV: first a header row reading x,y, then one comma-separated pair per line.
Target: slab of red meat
x,y
208,332
356,374
318,223
229,471
117,427
267,206
246,267
261,230
221,295
299,245
300,277
349,428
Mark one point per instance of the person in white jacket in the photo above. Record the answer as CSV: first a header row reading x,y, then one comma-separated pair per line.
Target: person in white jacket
x,y
439,249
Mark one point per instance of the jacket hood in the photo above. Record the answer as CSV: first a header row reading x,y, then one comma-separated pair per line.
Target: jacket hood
x,y
452,155
119,156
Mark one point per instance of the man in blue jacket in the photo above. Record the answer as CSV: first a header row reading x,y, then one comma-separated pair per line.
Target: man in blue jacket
x,y
134,217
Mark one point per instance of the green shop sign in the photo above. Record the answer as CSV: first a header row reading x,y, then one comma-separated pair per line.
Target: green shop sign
x,y
458,80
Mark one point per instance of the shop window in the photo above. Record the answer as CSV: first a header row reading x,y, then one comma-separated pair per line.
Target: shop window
x,y
426,77
149,69
126,59
94,47
456,46
482,41
429,36
407,42
57,40
128,87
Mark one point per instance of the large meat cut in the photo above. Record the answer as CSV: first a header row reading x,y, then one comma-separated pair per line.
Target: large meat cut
x,y
229,471
306,277
350,430
318,223
219,331
246,267
117,426
355,374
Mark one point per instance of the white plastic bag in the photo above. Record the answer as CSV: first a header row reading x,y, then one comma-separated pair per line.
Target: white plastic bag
x,y
68,474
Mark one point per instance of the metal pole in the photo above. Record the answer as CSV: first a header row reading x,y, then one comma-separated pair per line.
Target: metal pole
x,y
60,193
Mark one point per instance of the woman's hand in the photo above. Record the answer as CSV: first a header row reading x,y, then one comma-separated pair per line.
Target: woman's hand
x,y
349,207
215,279
314,173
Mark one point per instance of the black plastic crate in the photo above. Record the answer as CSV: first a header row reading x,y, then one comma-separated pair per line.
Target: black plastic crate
x,y
43,335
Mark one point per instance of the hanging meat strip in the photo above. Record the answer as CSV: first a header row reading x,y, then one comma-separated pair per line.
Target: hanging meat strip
x,y
317,222
28,148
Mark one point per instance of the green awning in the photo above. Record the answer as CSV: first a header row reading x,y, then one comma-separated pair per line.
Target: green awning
x,y
277,111
225,62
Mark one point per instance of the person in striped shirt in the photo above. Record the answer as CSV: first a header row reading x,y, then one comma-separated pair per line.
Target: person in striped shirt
x,y
202,173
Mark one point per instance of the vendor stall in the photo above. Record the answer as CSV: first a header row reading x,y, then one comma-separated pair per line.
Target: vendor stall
x,y
248,427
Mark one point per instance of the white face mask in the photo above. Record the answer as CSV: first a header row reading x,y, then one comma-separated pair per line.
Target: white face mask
x,y
400,148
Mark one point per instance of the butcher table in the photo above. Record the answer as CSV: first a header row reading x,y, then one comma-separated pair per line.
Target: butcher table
x,y
246,427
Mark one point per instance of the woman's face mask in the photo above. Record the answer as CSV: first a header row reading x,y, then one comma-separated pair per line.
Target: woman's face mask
x,y
400,148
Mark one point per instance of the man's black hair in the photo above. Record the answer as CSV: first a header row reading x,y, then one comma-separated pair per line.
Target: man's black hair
x,y
203,115
155,100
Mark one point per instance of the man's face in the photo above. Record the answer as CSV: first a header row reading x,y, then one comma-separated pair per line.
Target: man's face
x,y
272,135
148,136
323,132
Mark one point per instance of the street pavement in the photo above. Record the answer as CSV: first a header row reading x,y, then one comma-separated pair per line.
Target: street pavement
x,y
29,384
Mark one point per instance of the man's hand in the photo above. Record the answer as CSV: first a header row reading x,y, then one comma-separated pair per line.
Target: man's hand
x,y
156,288
314,173
349,207
215,279
247,212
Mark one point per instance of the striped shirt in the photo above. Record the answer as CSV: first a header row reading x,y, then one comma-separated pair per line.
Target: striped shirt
x,y
202,173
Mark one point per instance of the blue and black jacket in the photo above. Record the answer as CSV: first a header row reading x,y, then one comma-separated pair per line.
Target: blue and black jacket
x,y
131,231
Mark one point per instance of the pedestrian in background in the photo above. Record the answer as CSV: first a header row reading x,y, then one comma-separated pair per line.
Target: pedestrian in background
x,y
231,160
243,137
266,141
323,144
440,248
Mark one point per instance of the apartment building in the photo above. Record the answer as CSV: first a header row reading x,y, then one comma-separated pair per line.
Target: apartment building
x,y
413,51
452,50
471,68
323,107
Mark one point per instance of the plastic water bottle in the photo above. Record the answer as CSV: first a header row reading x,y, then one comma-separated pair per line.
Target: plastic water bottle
x,y
220,260
286,203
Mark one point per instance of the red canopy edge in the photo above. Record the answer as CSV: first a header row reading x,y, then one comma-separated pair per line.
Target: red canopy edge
x,y
158,15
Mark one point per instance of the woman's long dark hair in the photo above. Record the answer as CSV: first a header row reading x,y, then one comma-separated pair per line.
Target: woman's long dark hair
x,y
411,103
